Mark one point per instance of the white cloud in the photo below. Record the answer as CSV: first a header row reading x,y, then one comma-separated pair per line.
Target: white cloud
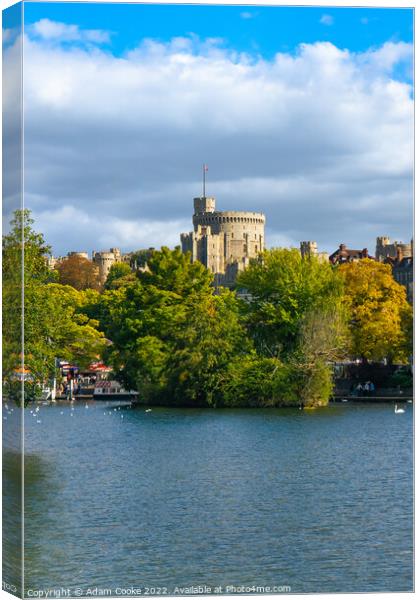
x,y
248,15
46,29
320,140
326,20
93,232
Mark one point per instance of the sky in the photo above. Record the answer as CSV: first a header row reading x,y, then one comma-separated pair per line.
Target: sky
x,y
305,114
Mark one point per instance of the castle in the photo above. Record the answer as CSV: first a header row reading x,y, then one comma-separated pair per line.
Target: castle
x,y
102,260
105,260
223,241
385,249
311,249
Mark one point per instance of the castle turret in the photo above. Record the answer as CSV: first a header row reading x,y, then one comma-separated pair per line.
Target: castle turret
x,y
105,260
224,241
308,249
204,204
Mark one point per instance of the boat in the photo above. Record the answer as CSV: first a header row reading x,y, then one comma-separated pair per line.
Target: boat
x,y
112,390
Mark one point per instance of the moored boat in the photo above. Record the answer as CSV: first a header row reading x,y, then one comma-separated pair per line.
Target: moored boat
x,y
112,390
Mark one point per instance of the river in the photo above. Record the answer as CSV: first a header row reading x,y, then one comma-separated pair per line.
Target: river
x,y
320,500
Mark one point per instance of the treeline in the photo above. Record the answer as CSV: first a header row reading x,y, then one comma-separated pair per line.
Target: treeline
x,y
166,333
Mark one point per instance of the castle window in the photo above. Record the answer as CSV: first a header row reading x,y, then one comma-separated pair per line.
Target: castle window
x,y
256,248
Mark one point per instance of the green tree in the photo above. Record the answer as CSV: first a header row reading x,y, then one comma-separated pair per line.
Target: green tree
x,y
56,326
257,381
173,338
283,288
380,316
172,270
24,261
23,243
140,258
295,316
119,274
54,322
323,339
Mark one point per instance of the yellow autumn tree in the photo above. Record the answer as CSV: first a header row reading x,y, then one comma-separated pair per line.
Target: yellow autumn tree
x,y
380,316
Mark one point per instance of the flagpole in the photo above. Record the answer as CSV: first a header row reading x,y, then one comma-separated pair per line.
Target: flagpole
x,y
204,181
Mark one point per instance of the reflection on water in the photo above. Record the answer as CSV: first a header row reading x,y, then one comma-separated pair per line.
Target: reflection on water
x,y
12,517
320,501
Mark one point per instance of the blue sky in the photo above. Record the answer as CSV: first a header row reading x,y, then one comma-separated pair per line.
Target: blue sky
x,y
305,114
254,29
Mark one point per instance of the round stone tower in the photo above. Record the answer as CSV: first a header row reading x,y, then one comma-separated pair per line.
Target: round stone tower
x,y
223,239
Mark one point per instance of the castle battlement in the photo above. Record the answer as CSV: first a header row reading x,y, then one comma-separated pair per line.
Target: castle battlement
x,y
224,241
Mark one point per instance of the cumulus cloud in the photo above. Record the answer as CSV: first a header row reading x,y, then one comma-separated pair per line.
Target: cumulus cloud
x,y
46,29
326,20
320,140
91,231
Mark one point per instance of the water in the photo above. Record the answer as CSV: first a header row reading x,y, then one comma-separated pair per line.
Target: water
x,y
318,500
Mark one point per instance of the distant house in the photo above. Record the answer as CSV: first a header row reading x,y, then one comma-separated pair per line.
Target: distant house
x,y
345,255
402,270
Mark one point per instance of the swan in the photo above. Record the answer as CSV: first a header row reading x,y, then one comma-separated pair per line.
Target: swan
x,y
398,410
148,410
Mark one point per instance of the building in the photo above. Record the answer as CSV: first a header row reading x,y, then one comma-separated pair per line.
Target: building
x,y
223,241
385,249
78,254
401,258
105,260
311,249
402,270
344,255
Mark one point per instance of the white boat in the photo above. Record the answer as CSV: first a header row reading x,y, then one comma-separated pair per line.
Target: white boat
x,y
112,390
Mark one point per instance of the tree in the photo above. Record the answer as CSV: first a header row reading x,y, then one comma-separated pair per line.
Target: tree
x,y
295,316
119,274
173,338
140,258
54,323
22,247
21,241
284,287
172,270
79,272
56,326
380,316
323,339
